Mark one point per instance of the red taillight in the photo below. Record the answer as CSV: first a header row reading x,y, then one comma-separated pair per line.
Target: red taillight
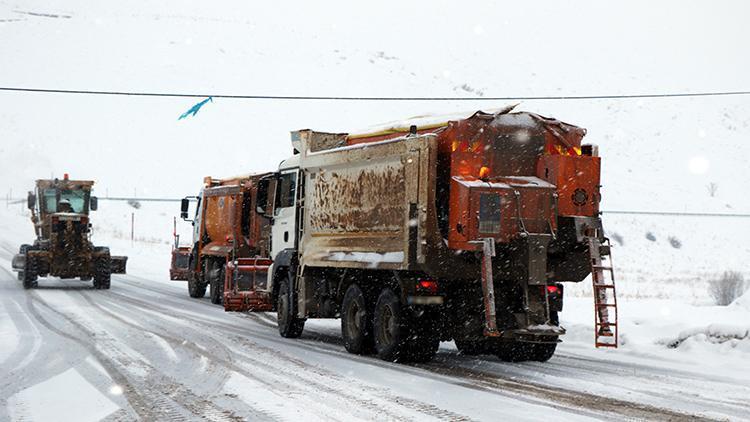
x,y
553,290
430,286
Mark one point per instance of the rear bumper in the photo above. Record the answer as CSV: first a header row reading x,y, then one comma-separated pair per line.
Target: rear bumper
x,y
535,334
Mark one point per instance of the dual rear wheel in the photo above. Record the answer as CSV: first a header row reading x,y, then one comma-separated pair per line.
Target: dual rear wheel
x,y
387,328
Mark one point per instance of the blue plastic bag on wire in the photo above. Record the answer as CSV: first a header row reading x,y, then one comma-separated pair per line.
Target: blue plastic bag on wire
x,y
194,109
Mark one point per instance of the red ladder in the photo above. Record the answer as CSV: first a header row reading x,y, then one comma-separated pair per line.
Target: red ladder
x,y
605,296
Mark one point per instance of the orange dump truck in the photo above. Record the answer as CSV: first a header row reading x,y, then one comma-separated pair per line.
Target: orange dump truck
x,y
226,230
427,231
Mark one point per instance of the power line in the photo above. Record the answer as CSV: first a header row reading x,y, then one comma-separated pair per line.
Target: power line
x,y
366,98
623,212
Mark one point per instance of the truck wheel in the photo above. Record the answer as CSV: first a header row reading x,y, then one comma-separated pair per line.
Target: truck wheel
x,y
356,322
391,328
29,273
471,347
521,352
195,288
543,352
217,286
22,251
102,273
289,325
423,349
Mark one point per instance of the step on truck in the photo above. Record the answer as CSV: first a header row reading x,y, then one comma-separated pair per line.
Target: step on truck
x,y
63,248
229,249
431,231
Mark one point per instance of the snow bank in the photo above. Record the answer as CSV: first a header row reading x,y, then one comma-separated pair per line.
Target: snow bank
x,y
720,337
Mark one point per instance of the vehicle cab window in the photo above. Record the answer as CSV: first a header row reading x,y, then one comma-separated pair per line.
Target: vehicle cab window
x,y
286,191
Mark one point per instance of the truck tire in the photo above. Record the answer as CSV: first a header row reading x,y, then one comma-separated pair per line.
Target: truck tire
x,y
23,250
102,273
471,347
357,322
391,328
521,352
29,273
196,289
290,326
543,352
217,285
398,337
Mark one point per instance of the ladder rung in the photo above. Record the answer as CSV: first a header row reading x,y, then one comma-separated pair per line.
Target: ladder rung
x,y
606,345
606,324
611,305
604,286
602,267
605,335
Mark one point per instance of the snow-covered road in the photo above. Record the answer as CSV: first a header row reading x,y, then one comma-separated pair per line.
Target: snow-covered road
x,y
145,350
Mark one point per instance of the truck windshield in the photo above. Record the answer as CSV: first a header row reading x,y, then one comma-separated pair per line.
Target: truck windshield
x,y
76,200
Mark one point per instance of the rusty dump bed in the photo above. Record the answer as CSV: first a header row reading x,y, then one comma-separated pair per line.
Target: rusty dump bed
x,y
229,217
422,197
369,206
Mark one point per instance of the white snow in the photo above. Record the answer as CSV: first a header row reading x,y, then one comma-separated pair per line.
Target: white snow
x,y
8,334
370,257
64,397
168,350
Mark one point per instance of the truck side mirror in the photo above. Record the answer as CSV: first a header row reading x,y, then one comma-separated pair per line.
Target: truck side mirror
x,y
184,205
31,201
94,203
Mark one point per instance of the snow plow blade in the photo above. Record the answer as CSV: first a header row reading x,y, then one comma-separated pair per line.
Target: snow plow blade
x,y
245,287
117,264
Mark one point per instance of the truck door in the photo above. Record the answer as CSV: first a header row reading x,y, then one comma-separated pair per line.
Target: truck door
x,y
283,231
197,218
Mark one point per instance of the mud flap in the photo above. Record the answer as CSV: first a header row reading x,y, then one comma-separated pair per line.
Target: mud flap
x,y
530,269
488,287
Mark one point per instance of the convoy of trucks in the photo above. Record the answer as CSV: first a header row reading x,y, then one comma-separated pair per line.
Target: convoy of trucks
x,y
412,234
460,229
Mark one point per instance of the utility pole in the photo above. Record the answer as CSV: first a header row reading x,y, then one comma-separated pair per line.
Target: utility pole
x,y
132,228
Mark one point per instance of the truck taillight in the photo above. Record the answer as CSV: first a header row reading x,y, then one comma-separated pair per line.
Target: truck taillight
x,y
553,289
430,286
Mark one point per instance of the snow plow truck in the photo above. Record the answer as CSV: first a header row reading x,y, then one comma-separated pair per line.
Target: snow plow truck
x,y
229,250
63,248
430,230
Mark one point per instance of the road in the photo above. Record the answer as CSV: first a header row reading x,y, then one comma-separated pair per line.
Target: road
x,y
145,350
